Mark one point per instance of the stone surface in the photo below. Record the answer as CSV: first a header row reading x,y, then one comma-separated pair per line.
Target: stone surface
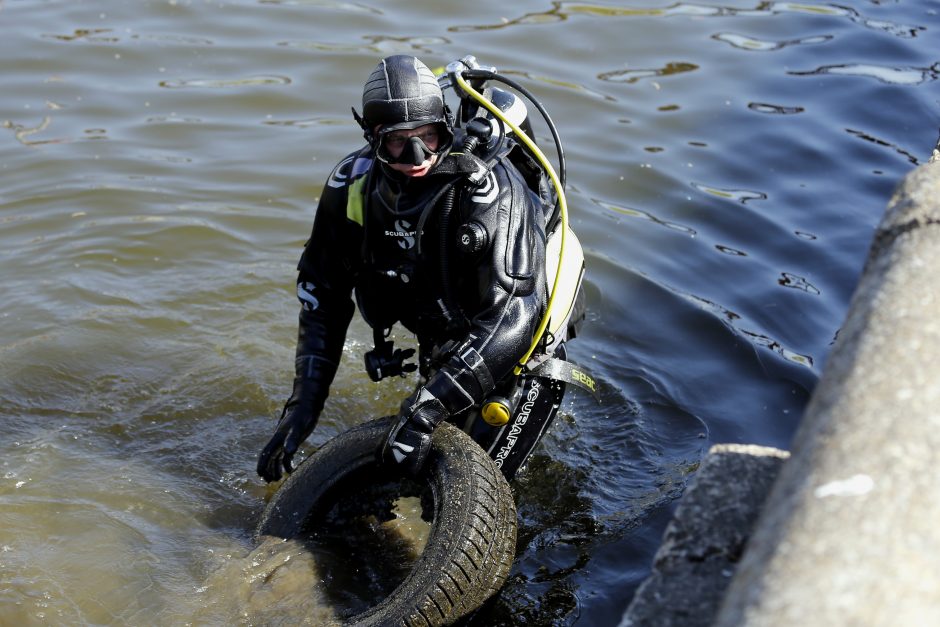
x,y
851,531
704,541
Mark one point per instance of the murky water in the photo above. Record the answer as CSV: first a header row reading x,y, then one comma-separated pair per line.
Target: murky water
x,y
160,164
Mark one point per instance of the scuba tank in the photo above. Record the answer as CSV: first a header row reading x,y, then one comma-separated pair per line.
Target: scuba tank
x,y
513,419
506,116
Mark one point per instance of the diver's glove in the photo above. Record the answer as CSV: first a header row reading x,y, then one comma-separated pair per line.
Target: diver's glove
x,y
298,419
409,440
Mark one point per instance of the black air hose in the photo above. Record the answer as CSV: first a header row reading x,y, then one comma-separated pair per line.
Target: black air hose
x,y
452,309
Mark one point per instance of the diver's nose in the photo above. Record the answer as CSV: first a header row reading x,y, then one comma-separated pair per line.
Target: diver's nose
x,y
419,152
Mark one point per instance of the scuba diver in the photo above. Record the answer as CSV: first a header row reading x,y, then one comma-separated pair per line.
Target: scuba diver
x,y
440,223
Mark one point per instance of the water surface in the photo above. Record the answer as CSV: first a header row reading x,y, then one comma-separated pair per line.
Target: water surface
x,y
160,165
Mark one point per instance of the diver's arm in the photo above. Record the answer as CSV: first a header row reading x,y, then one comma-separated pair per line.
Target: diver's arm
x,y
324,287
512,286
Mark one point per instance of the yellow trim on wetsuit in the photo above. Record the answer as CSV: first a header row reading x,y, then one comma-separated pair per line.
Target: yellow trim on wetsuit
x,y
354,200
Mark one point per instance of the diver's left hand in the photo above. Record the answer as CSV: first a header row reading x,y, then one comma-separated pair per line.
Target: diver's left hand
x,y
409,440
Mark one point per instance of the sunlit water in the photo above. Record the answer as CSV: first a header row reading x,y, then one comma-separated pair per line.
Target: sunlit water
x,y
160,165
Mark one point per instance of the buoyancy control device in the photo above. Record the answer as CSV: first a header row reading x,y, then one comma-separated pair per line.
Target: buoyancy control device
x,y
486,117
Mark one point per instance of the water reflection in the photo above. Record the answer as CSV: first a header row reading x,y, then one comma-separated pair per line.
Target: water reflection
x,y
308,122
898,30
564,10
730,251
735,322
561,11
172,118
890,75
751,43
833,10
632,76
788,279
23,133
348,7
226,83
880,142
183,40
380,45
775,346
738,195
88,34
580,88
639,213
763,107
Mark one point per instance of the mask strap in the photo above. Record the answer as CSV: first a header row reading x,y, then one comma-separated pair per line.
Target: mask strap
x,y
366,131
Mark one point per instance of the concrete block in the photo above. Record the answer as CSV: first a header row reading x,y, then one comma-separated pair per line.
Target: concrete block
x,y
704,541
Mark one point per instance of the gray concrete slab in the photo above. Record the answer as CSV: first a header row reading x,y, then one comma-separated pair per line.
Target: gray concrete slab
x,y
705,539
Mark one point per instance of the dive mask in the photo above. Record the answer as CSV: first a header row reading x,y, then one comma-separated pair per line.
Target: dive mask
x,y
412,146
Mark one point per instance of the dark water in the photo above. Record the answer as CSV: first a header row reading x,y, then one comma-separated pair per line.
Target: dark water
x,y
160,164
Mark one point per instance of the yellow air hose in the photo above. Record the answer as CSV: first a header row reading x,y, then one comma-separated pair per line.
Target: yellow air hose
x,y
562,203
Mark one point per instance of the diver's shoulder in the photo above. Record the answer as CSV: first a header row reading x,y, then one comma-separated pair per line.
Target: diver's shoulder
x,y
351,167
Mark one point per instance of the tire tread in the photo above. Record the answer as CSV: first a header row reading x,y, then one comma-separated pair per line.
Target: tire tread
x,y
474,540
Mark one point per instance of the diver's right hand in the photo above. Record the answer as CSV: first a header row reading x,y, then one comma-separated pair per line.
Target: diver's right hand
x,y
296,424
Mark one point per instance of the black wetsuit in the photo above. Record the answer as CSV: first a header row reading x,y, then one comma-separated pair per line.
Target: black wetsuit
x,y
474,306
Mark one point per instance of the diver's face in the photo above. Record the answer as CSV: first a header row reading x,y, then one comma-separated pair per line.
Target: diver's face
x,y
395,142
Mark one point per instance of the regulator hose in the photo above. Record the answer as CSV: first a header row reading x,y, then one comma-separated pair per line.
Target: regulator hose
x,y
488,75
451,307
452,310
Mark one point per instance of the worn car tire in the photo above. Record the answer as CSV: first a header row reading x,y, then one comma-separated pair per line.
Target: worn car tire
x,y
472,540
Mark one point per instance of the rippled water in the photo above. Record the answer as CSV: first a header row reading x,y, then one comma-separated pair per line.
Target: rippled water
x,y
160,164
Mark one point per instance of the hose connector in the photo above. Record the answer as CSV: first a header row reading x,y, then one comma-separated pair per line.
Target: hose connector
x,y
456,68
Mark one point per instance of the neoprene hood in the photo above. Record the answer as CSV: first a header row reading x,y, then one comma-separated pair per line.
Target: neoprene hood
x,y
402,93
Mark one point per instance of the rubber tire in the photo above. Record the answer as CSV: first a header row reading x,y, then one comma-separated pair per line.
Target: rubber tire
x,y
472,541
